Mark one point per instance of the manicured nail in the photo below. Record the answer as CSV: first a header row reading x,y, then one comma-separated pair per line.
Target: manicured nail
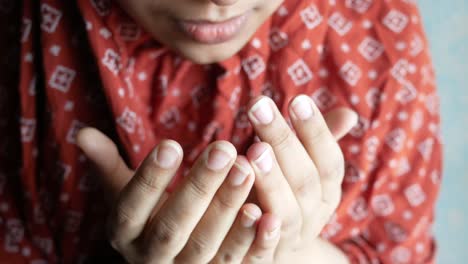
x,y
262,112
237,175
249,218
265,161
302,107
218,158
272,233
167,155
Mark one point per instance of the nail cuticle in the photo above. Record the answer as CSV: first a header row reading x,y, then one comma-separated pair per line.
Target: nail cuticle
x,y
264,165
238,175
302,108
218,158
248,219
163,156
261,112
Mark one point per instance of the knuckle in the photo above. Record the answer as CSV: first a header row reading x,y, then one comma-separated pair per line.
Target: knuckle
x,y
165,233
282,138
201,247
148,182
227,258
239,240
317,135
199,187
226,201
119,221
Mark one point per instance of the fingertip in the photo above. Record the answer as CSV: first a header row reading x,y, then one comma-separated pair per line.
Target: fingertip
x,y
244,164
251,214
351,119
100,149
83,136
256,150
354,119
226,146
257,99
341,121
177,147
253,209
90,139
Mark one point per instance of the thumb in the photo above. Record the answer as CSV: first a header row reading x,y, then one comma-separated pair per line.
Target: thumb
x,y
114,173
340,121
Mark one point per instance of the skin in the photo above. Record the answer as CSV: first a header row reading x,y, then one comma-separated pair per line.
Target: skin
x,y
207,219
159,19
294,198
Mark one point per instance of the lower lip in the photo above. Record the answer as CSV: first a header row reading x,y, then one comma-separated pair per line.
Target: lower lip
x,y
213,33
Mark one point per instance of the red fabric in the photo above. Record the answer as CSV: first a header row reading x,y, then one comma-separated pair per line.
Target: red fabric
x,y
85,63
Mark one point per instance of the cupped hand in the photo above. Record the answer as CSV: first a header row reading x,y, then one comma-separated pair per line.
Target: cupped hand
x,y
203,220
298,176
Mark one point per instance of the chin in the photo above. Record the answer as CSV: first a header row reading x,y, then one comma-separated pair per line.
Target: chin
x,y
208,54
208,58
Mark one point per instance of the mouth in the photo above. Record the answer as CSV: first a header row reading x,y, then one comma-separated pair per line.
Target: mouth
x,y
213,32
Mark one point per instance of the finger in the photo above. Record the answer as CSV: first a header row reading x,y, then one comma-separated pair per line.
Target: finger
x,y
340,121
321,146
267,239
273,192
210,232
240,237
170,228
104,154
273,129
139,197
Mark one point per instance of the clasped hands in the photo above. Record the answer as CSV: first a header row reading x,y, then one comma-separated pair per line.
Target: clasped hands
x,y
296,179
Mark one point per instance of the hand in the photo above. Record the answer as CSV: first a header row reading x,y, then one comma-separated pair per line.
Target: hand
x,y
197,223
298,178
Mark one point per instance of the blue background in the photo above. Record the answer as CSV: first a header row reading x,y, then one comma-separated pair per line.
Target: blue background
x,y
446,25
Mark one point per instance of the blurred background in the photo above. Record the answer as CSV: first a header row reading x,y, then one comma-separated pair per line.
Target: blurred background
x,y
446,25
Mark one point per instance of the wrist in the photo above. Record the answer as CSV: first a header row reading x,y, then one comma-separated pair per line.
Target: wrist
x,y
316,251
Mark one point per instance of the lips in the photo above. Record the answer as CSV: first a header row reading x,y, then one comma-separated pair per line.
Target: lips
x,y
213,32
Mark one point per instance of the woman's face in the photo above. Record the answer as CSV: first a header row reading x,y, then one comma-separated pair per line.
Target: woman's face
x,y
204,31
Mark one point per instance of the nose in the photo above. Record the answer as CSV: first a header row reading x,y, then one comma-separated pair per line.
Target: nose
x,y
223,2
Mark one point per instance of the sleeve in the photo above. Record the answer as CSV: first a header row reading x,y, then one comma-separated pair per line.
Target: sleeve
x,y
394,159
12,227
393,204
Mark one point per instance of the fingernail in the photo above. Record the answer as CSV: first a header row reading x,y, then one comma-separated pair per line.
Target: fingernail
x,y
218,158
262,112
249,218
272,233
167,155
302,107
237,175
264,162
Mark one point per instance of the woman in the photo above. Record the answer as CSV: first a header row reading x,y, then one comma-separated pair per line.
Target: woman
x,y
182,88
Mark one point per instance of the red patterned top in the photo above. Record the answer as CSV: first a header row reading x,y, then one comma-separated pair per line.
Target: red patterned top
x,y
86,63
